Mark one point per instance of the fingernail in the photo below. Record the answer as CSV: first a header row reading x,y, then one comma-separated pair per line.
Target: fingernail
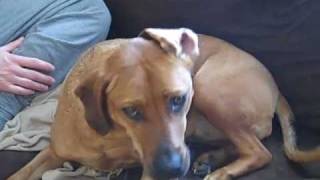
x,y
45,88
52,80
30,92
51,67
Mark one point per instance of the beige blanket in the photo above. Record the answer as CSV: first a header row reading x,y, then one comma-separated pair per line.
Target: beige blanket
x,y
29,131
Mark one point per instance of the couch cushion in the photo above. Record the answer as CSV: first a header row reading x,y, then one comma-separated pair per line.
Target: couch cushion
x,y
11,161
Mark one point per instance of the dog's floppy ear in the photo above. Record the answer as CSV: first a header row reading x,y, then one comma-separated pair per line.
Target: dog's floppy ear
x,y
92,92
181,42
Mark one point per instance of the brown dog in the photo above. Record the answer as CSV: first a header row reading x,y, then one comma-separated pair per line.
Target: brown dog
x,y
126,102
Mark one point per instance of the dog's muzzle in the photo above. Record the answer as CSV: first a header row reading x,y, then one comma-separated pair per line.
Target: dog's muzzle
x,y
170,163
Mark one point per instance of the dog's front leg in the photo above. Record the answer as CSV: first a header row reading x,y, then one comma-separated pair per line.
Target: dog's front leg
x,y
44,161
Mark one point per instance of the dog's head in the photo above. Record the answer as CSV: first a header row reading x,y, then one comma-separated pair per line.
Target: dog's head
x,y
146,89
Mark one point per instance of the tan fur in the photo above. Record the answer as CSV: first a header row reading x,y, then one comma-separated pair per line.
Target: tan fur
x,y
234,98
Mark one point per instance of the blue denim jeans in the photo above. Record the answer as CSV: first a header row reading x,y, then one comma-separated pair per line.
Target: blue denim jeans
x,y
56,31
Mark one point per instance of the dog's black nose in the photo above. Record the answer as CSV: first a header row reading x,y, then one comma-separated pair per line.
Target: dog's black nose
x,y
169,163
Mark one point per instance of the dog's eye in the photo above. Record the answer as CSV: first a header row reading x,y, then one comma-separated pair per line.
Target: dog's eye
x,y
176,103
133,113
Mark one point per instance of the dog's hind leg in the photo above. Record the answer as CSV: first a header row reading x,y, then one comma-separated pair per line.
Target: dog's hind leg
x,y
44,161
252,155
233,124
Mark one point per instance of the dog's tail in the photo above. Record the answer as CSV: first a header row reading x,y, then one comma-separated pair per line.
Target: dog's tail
x,y
286,118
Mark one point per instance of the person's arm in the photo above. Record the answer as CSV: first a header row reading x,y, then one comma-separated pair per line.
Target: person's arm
x,y
59,39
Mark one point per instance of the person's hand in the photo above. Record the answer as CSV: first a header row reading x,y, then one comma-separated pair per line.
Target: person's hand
x,y
22,75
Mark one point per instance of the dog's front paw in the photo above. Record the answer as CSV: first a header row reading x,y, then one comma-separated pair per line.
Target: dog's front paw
x,y
201,168
204,164
218,175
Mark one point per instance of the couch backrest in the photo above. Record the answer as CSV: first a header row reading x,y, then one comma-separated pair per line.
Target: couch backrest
x,y
284,35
